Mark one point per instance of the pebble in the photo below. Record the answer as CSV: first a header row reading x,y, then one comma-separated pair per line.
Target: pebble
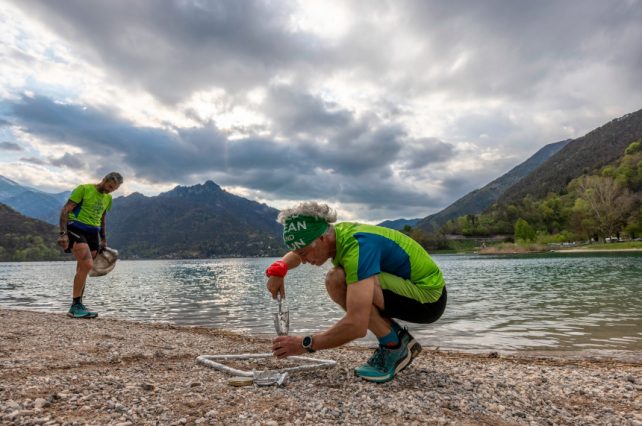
x,y
40,403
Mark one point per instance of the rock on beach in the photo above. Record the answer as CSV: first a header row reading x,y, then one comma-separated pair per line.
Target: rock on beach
x,y
59,371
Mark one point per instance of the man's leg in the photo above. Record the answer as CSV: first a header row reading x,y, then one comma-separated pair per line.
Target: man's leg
x,y
84,263
393,353
335,284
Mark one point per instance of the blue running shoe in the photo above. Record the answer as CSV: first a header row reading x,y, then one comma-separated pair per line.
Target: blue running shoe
x,y
407,339
78,310
371,361
384,364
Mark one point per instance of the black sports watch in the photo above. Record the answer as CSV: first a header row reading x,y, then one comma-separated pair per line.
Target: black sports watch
x,y
307,343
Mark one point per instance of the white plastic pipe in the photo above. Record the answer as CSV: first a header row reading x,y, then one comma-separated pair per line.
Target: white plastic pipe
x,y
211,361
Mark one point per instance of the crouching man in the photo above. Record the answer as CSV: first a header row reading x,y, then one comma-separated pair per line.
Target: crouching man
x,y
379,274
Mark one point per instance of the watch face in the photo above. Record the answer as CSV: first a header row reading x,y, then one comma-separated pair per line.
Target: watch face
x,y
307,341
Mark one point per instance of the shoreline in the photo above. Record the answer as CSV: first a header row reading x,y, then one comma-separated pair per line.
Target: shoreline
x,y
55,370
569,251
435,252
588,250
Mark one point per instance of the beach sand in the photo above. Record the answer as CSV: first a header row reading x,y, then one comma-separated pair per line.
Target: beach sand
x,y
56,370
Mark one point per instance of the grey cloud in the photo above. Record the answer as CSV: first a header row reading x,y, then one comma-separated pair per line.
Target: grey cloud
x,y
296,112
384,193
68,161
34,160
173,48
423,152
10,146
332,137
373,149
291,170
504,50
509,49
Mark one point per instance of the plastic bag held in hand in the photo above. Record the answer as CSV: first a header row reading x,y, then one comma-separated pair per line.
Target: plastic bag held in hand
x,y
104,262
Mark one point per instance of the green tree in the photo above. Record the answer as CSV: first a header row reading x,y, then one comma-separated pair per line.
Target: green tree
x,y
634,224
633,148
523,231
607,202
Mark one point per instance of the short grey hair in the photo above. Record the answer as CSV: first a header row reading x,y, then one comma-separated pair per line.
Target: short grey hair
x,y
309,208
114,177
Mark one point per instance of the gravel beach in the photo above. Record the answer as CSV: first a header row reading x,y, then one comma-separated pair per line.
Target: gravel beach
x,y
55,370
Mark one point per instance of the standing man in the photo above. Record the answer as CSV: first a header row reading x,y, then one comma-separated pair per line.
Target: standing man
x,y
83,232
379,274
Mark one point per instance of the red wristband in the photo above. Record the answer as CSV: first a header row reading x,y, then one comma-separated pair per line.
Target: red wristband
x,y
277,269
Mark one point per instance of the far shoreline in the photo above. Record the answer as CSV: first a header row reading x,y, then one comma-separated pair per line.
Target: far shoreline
x,y
598,250
516,250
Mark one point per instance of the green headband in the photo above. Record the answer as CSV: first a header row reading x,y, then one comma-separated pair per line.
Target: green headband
x,y
299,231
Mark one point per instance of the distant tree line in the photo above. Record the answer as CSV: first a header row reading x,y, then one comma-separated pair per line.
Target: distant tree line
x,y
598,205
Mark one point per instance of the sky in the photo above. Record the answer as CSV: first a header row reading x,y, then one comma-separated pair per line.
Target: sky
x,y
382,109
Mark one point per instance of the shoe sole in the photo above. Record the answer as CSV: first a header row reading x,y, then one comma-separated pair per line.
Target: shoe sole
x,y
413,347
70,315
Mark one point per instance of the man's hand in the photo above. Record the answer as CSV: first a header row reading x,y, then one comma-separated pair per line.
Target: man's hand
x,y
63,241
285,346
276,285
103,244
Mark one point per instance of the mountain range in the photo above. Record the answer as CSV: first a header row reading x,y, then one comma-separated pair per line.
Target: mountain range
x,y
549,170
204,221
399,223
200,221
32,202
479,200
583,155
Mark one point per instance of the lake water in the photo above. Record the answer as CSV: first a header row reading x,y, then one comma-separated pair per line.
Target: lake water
x,y
530,302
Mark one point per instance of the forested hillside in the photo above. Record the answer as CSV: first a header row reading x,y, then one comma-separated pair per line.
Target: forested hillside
x,y
200,221
481,199
23,238
584,155
593,206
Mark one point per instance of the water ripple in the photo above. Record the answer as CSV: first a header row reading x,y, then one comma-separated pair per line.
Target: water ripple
x,y
510,303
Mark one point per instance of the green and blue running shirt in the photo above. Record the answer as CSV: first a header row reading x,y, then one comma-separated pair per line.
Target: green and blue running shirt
x,y
90,205
367,250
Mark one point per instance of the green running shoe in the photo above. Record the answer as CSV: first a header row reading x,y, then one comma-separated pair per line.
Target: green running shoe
x,y
384,364
78,310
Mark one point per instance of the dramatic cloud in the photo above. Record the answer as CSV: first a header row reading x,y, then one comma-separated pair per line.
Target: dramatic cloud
x,y
33,160
10,146
387,109
353,170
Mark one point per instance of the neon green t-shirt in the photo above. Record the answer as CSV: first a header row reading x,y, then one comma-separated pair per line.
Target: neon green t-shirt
x,y
367,250
91,205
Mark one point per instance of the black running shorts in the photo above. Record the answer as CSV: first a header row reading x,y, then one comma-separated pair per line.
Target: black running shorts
x,y
77,235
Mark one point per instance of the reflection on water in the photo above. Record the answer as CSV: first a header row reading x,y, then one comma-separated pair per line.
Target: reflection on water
x,y
561,302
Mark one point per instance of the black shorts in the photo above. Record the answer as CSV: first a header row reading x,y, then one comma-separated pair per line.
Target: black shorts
x,y
77,235
406,309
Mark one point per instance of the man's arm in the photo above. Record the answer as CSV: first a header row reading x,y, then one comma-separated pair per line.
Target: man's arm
x,y
103,230
63,239
352,326
275,283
